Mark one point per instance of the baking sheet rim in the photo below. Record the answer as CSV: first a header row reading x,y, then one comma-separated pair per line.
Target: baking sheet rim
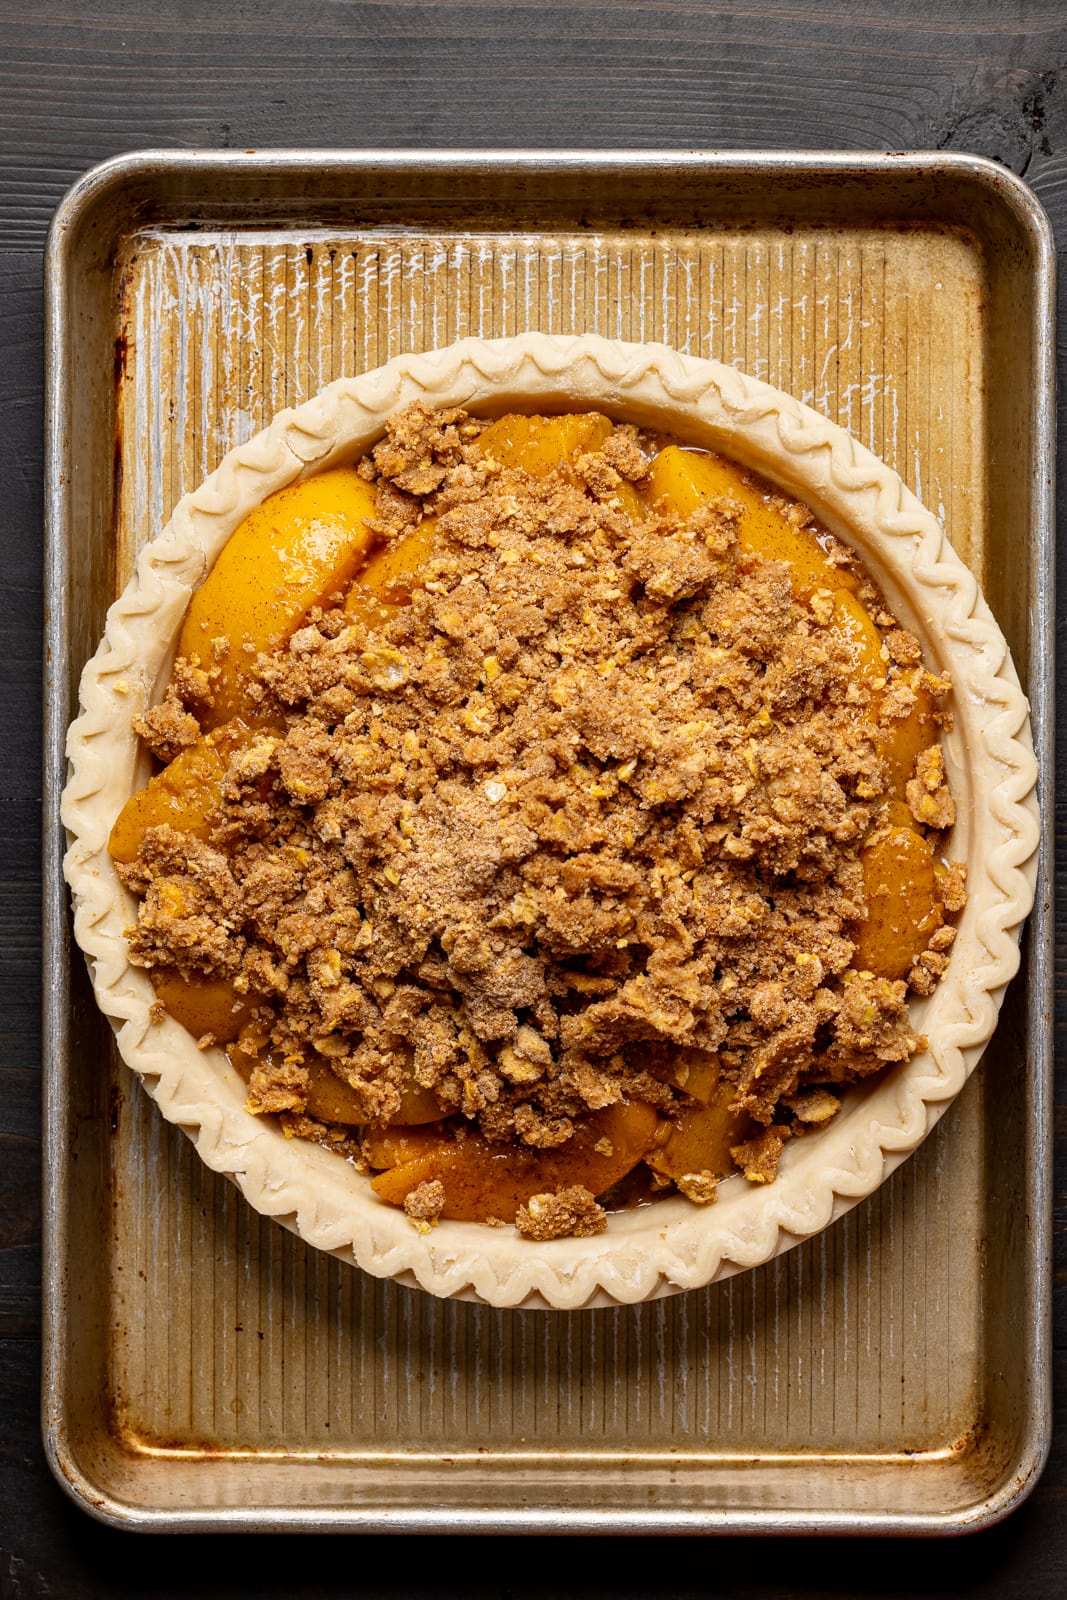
x,y
76,205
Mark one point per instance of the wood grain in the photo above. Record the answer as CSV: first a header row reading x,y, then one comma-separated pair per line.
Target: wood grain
x,y
80,81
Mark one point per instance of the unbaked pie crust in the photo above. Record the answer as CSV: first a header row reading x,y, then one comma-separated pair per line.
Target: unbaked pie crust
x,y
672,1245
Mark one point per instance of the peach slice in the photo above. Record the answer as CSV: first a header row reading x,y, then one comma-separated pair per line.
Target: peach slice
x,y
903,907
401,1143
902,740
703,1132
487,1180
330,1098
852,623
390,577
683,478
185,794
540,444
631,501
417,1105
203,1004
302,545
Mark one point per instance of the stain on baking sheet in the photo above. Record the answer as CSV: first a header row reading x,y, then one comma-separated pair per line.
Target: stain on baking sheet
x,y
849,1340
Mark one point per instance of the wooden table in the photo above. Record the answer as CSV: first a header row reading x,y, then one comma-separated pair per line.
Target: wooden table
x,y
79,82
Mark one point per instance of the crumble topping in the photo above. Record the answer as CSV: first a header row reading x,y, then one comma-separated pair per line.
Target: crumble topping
x,y
597,792
700,1187
758,1158
929,800
168,728
571,1211
425,1203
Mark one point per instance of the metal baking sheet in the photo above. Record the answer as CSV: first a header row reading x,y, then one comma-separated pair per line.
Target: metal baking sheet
x,y
206,1370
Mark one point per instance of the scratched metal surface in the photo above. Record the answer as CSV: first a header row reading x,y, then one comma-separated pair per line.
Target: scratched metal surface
x,y
863,1379
877,329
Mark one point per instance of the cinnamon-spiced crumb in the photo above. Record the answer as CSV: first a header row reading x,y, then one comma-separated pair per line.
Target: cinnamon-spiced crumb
x,y
570,1212
168,728
425,1203
758,1158
702,1188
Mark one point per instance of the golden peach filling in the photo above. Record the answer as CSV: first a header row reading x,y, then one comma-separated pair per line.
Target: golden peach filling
x,y
526,1076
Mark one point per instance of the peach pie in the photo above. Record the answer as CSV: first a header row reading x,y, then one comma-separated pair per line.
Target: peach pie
x,y
556,823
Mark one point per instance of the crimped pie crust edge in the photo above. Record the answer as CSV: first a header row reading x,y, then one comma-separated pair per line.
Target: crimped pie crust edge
x,y
672,1245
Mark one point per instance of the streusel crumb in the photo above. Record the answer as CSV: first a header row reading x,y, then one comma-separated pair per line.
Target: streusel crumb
x,y
700,1187
425,1203
572,1211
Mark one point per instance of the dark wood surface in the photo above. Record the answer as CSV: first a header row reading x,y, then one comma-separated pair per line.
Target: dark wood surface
x,y
84,79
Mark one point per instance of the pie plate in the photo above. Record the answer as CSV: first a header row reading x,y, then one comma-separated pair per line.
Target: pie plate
x,y
673,1245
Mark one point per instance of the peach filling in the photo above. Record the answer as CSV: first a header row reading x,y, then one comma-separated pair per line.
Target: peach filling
x,y
310,546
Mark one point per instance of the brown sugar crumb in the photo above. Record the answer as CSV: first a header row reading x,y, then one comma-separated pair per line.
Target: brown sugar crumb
x,y
167,729
622,451
903,647
194,684
277,1086
954,886
598,790
420,445
758,1158
570,1212
929,800
331,1135
702,1188
933,963
813,1107
425,1204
